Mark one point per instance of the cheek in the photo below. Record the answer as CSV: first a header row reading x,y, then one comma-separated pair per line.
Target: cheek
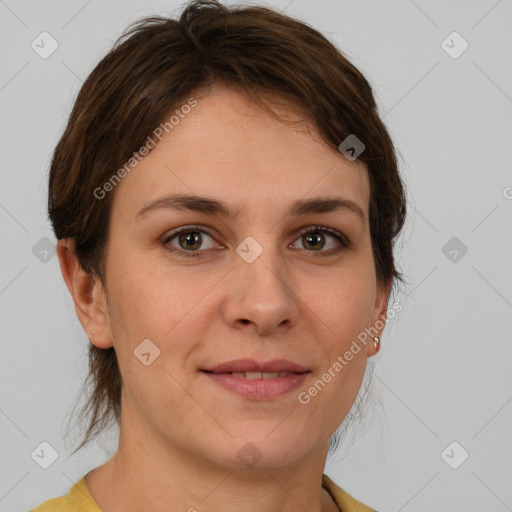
x,y
147,295
145,307
345,304
150,302
344,310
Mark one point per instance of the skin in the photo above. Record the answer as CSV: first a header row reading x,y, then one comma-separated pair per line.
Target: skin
x,y
180,431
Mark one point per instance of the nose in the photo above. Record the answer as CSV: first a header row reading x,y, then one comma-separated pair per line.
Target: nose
x,y
261,296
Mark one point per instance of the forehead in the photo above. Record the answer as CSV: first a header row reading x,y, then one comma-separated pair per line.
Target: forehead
x,y
229,148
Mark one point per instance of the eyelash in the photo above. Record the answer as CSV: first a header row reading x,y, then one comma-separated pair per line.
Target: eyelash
x,y
341,239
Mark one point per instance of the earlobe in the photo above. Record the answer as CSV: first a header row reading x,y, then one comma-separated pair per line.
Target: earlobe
x,y
87,293
376,343
379,317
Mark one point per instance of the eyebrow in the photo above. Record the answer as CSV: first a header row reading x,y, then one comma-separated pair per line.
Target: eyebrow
x,y
211,206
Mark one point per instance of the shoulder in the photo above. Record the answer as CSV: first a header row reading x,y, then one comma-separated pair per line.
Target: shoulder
x,y
78,499
53,505
345,502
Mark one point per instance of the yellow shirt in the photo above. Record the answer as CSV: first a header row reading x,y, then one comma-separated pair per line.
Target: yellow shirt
x,y
79,499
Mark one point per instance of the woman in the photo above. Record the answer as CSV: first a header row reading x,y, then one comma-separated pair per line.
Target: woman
x,y
226,200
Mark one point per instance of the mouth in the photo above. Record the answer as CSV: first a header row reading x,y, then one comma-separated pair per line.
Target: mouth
x,y
260,381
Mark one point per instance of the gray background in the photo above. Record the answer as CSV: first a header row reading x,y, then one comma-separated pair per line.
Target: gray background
x,y
443,373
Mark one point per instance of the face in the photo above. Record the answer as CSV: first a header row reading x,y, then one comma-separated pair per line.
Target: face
x,y
281,278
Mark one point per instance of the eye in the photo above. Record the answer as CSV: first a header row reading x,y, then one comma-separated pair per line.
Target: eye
x,y
313,240
188,240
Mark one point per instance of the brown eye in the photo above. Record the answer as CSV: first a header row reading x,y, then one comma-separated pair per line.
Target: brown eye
x,y
318,238
189,241
314,241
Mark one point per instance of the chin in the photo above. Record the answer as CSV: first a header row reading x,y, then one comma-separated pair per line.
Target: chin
x,y
264,452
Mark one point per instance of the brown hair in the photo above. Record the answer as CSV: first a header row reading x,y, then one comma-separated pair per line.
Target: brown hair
x,y
151,69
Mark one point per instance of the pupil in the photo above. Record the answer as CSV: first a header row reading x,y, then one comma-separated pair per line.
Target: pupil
x,y
191,239
315,238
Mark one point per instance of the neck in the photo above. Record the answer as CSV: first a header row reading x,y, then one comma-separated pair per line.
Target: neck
x,y
147,473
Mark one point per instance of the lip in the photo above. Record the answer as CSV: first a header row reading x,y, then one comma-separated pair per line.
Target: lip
x,y
258,389
250,365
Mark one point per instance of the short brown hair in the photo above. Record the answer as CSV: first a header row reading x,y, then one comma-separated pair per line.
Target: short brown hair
x,y
152,68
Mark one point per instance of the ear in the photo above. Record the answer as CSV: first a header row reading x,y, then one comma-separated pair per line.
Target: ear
x,y
379,314
87,294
